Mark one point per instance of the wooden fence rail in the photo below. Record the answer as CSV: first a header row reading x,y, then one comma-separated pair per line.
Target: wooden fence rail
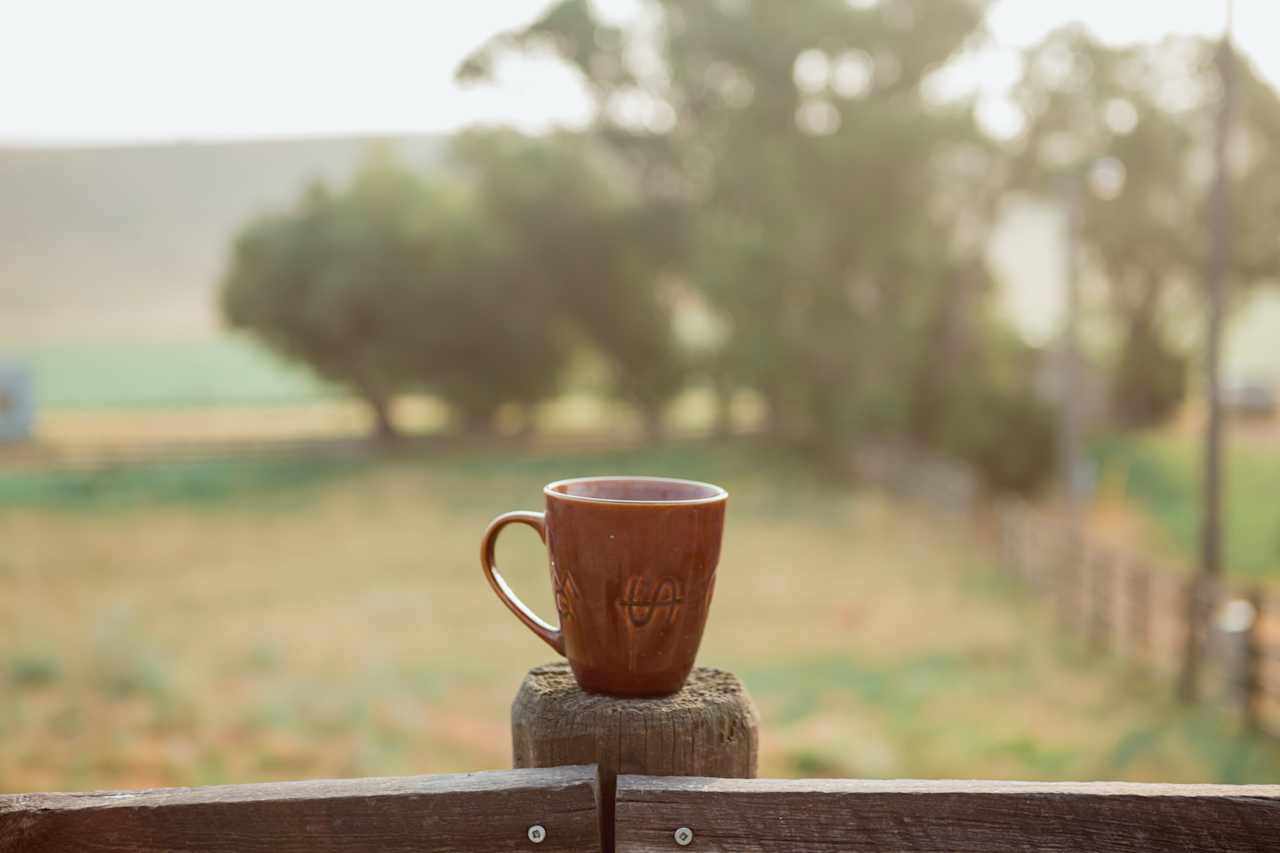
x,y
493,811
556,810
827,816
1124,606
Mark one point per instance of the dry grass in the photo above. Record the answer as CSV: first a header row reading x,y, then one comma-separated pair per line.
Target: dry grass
x,y
570,413
344,629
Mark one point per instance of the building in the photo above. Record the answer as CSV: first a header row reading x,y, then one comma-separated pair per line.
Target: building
x,y
17,403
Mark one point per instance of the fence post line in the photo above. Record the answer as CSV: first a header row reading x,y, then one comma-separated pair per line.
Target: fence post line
x,y
1139,634
1009,522
1188,596
1079,612
1099,571
1016,523
1200,597
1034,557
1016,519
1252,692
1065,571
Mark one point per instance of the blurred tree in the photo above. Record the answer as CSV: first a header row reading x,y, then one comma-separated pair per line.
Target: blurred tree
x,y
323,282
992,421
591,245
1134,125
836,213
392,284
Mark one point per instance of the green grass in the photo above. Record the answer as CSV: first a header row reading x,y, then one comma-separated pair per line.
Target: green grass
x,y
200,483
271,623
225,482
226,370
32,669
1160,473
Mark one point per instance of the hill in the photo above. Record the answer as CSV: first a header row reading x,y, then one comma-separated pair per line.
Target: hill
x,y
128,242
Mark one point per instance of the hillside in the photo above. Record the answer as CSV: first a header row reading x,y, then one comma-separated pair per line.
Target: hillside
x,y
128,242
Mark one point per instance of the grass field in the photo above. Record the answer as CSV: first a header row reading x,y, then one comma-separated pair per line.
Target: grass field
x,y
1158,474
222,622
220,371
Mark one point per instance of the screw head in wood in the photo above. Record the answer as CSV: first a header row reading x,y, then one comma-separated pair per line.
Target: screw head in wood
x,y
684,836
537,833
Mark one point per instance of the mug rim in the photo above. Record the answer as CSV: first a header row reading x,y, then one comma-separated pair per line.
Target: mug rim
x,y
719,492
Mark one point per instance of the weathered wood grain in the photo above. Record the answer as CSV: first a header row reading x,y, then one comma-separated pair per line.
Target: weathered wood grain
x,y
824,816
710,728
489,811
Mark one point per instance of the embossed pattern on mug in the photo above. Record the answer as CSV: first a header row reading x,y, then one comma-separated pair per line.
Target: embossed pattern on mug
x,y
641,607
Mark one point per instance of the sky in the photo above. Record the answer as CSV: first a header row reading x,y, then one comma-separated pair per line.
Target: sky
x,y
92,71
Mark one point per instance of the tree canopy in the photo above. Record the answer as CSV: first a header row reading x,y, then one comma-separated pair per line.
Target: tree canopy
x,y
1132,126
395,283
834,215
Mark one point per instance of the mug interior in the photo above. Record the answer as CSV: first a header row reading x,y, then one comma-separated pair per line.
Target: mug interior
x,y
636,490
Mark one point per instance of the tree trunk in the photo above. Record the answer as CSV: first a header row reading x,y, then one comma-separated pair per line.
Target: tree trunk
x,y
384,428
772,412
528,422
788,418
945,350
478,422
1211,484
651,416
723,426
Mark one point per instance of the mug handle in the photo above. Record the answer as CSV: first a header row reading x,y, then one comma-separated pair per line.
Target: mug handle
x,y
549,634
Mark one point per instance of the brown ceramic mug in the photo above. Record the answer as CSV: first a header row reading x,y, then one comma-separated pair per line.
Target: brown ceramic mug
x,y
633,566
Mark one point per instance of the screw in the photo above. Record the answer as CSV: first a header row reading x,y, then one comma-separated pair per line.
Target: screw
x,y
684,836
537,833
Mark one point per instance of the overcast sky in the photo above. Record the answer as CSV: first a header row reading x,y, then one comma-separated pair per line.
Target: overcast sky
x,y
76,71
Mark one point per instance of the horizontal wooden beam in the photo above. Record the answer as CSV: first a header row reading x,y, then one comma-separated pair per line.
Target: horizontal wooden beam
x,y
824,816
490,811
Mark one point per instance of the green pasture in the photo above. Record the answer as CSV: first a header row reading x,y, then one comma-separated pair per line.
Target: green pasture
x,y
219,371
1160,473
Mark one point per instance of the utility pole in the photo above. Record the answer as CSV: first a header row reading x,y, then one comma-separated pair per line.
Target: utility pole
x,y
1069,426
1204,590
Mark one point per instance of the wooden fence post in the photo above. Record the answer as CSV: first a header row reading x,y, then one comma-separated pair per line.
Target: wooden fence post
x,y
1014,521
710,728
1007,520
1030,563
1251,665
1138,637
1099,571
1066,578
1200,599
1234,650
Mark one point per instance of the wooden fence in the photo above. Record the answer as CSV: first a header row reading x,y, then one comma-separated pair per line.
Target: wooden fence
x,y
1123,605
501,810
556,810
831,815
